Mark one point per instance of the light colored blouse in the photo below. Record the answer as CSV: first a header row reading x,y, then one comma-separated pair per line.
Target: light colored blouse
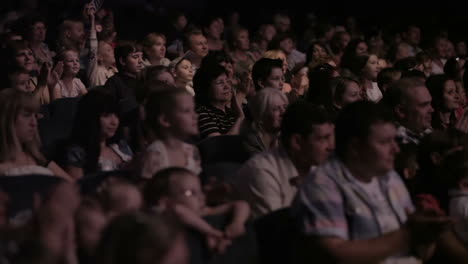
x,y
156,158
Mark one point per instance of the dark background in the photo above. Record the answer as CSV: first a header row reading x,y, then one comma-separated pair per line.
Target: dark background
x,y
135,18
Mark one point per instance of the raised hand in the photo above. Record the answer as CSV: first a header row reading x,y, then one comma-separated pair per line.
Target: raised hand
x,y
55,75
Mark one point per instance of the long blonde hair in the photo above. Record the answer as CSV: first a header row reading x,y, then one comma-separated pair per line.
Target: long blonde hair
x,y
12,102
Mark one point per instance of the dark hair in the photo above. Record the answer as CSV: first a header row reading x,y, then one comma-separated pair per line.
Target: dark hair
x,y
202,81
355,121
386,77
276,41
26,23
357,64
9,54
310,51
262,69
350,53
300,117
405,64
86,131
412,73
216,57
455,168
158,185
151,236
341,83
435,84
319,83
450,68
123,49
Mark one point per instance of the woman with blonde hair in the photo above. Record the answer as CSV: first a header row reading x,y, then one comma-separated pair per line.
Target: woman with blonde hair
x,y
19,137
267,108
154,49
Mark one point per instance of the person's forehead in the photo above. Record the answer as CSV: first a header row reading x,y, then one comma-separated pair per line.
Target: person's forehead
x,y
197,38
419,94
322,129
382,129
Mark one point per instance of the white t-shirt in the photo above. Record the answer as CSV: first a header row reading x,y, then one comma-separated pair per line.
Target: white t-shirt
x,y
387,219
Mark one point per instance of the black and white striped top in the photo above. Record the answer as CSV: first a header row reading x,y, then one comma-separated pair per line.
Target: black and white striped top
x,y
213,120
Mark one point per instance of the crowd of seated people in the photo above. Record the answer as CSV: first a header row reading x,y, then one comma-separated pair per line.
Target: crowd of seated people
x,y
213,141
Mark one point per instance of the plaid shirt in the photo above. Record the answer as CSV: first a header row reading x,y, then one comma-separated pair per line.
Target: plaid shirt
x,y
331,203
406,136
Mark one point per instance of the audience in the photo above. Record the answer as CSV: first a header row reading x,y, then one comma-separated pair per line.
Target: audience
x,y
137,91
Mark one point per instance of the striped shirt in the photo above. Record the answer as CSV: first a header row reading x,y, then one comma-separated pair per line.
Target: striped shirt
x,y
331,203
213,120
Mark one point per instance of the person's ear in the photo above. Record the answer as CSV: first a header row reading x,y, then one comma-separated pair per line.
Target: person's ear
x,y
407,173
261,84
173,72
295,142
163,120
122,61
399,111
67,33
353,148
436,158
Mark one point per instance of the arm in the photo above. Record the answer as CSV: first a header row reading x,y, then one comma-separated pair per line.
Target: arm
x,y
188,217
452,248
75,172
237,108
93,53
59,171
52,81
365,251
240,214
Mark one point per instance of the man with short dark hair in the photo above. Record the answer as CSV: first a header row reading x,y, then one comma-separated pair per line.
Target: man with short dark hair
x,y
268,180
354,207
411,103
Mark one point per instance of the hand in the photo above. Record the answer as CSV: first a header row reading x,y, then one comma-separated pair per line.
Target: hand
x,y
425,226
218,245
89,10
43,74
236,107
235,230
55,75
462,123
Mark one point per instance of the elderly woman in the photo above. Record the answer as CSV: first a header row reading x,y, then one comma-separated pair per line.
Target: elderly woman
x,y
267,108
219,113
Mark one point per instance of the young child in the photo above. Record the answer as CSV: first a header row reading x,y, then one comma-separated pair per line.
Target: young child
x,y
171,119
69,85
101,59
178,191
182,70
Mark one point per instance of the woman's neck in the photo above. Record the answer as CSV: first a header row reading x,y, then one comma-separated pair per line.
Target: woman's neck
x,y
130,74
35,45
367,83
103,144
240,54
269,139
180,83
220,105
172,142
68,78
445,117
155,61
